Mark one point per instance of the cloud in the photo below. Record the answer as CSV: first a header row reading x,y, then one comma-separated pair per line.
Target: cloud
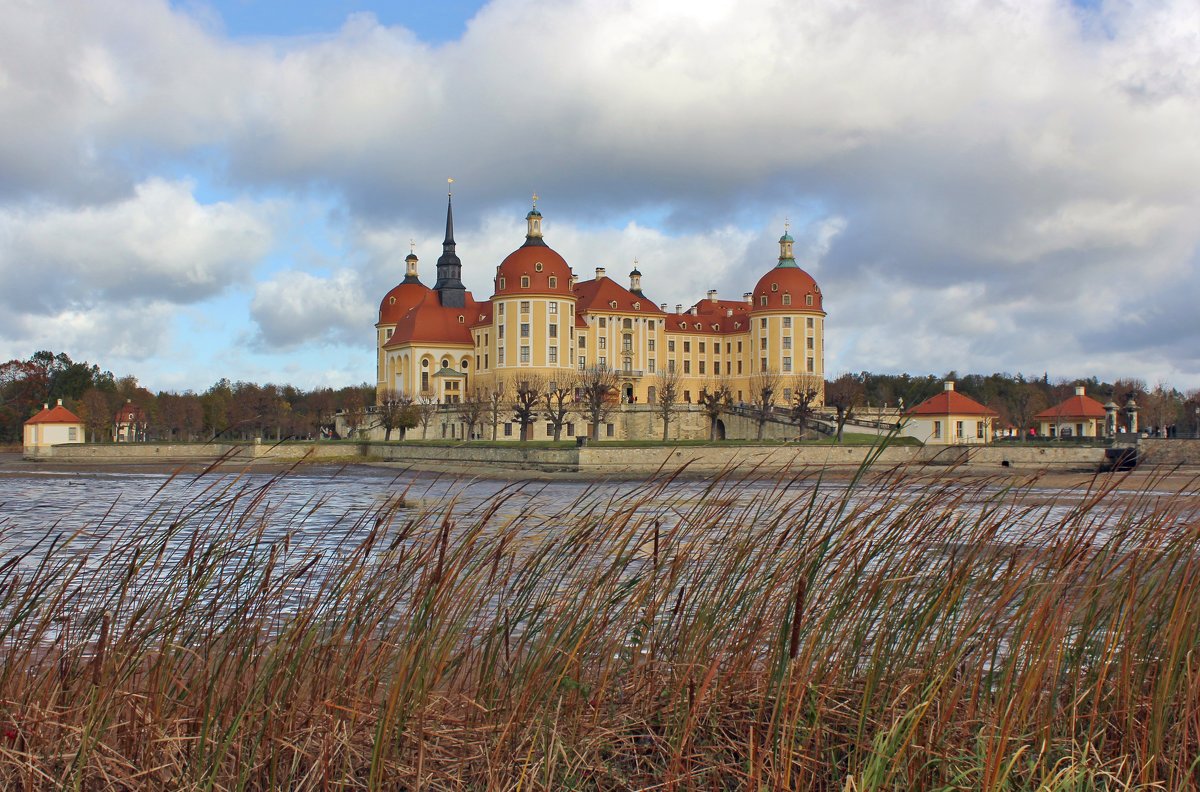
x,y
976,185
294,308
159,244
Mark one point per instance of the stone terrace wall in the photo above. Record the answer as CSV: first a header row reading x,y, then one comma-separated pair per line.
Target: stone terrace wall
x,y
1170,452
709,459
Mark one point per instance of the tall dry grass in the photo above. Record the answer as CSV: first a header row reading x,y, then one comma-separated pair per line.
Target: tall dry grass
x,y
894,634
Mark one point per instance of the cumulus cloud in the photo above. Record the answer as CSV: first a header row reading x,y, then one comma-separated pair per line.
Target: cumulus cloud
x,y
293,308
159,244
982,185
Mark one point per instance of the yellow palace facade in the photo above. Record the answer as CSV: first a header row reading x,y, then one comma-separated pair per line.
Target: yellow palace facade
x,y
542,321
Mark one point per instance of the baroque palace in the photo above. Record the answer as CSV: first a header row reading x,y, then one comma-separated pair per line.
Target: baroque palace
x,y
543,321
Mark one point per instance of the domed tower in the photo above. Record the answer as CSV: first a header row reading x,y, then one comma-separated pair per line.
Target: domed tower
x,y
787,322
395,304
533,311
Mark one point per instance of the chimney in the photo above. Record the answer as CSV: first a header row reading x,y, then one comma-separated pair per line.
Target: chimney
x,y
574,280
678,308
599,272
712,295
45,406
748,297
1078,390
729,312
694,311
662,307
60,402
949,385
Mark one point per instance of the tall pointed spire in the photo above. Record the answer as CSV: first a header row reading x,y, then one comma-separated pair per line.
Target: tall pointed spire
x,y
449,284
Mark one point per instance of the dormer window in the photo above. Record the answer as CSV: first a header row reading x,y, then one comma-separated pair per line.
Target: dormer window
x,y
808,299
637,306
699,326
391,300
537,267
460,318
501,282
612,304
787,299
553,282
716,327
774,287
762,300
524,281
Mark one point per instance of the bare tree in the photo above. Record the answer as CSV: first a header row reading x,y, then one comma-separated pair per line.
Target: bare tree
x,y
427,407
1021,402
557,406
764,390
806,394
353,410
715,399
471,411
395,411
497,399
666,383
845,395
595,397
527,395
97,412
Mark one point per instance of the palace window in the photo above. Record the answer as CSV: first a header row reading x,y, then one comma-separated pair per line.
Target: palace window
x,y
537,267
702,347
670,365
524,354
937,428
554,355
650,365
739,369
650,344
809,323
524,281
701,366
787,321
787,365
524,329
582,362
553,282
671,345
500,309
524,306
553,308
787,299
810,341
687,347
762,364
500,332
582,342
627,343
602,361
603,342
499,284
812,365
554,331
774,287
649,324
716,367
603,322
763,323
787,342
762,300
627,324
808,300
687,367
500,356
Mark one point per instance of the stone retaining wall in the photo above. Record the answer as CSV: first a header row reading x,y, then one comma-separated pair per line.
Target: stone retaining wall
x,y
609,460
1170,452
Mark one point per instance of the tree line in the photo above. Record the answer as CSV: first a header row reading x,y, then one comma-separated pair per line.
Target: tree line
x,y
227,410
245,410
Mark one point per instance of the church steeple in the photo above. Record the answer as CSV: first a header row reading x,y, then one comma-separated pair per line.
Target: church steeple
x,y
449,286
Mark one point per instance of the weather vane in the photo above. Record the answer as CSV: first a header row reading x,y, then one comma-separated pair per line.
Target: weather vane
x,y
787,225
535,200
412,245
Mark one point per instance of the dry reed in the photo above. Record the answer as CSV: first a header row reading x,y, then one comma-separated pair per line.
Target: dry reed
x,y
898,633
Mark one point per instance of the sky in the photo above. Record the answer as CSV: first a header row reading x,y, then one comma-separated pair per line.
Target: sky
x,y
193,190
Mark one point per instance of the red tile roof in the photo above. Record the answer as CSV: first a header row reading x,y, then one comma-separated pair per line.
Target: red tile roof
x,y
1075,407
431,322
55,415
599,294
950,402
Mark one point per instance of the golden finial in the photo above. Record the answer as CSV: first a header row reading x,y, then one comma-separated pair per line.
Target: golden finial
x,y
449,191
535,200
787,225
